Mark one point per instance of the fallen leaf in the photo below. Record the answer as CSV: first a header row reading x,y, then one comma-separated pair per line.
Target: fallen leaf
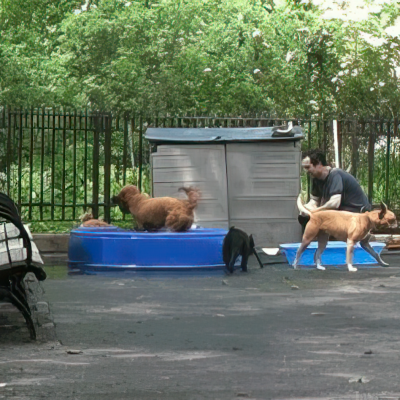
x,y
361,379
74,351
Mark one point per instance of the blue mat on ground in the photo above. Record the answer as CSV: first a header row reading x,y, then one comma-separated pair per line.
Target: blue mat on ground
x,y
112,248
334,254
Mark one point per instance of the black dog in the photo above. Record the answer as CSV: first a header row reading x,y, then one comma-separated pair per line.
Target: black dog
x,y
238,243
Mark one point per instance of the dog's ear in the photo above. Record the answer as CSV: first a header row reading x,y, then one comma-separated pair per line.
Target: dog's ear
x,y
114,200
251,241
383,210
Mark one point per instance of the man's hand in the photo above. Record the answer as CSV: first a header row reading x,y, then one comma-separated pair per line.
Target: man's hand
x,y
303,214
311,205
333,203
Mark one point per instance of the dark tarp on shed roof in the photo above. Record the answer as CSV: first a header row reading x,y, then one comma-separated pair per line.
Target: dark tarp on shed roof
x,y
222,135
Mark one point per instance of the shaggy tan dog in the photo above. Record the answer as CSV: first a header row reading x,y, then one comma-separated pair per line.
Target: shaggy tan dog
x,y
346,226
154,213
89,222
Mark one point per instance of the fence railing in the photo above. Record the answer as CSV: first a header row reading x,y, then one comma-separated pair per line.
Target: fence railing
x,y
58,163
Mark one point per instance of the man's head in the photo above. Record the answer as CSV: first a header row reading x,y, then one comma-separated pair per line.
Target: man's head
x,y
314,163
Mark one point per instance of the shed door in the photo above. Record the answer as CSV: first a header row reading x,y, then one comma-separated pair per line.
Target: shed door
x,y
199,165
263,185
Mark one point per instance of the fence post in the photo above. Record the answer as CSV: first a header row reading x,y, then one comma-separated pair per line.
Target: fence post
x,y
20,147
140,150
3,164
125,150
354,151
325,136
31,146
302,123
9,151
388,160
85,201
64,146
371,148
98,126
42,153
74,172
340,142
107,168
53,160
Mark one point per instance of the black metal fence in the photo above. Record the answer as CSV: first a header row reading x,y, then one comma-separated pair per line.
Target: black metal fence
x,y
58,163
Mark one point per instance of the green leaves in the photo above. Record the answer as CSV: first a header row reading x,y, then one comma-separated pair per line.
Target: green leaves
x,y
280,57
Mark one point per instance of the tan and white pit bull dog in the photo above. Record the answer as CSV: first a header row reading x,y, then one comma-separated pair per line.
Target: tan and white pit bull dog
x,y
346,226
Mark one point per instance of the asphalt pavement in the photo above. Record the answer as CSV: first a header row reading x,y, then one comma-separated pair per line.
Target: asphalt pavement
x,y
271,333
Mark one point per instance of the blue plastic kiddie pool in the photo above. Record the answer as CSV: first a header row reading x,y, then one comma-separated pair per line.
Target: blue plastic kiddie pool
x,y
112,248
334,254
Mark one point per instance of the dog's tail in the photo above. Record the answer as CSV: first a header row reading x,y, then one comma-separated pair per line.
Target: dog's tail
x,y
193,195
301,207
254,251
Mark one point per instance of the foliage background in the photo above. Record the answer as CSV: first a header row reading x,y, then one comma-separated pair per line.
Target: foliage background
x,y
320,59
178,56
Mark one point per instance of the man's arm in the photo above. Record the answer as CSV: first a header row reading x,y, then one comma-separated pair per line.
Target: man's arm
x,y
332,204
313,203
334,191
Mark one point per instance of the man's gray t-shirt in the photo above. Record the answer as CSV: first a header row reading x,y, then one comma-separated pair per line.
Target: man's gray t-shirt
x,y
341,182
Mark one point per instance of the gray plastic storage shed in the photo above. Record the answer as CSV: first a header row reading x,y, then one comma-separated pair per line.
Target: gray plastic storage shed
x,y
248,177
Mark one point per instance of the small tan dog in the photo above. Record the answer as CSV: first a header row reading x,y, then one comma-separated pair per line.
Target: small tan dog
x,y
345,226
155,213
89,222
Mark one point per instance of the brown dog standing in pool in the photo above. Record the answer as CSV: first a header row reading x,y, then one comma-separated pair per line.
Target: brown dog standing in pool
x,y
155,213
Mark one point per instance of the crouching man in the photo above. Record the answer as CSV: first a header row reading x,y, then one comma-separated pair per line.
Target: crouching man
x,y
331,188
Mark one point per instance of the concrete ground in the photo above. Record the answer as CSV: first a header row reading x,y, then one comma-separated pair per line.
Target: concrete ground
x,y
271,333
